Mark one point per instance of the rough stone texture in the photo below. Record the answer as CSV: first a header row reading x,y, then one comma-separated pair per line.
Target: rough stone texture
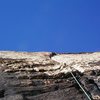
x,y
46,76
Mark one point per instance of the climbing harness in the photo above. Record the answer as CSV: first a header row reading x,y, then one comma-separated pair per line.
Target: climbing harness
x,y
89,98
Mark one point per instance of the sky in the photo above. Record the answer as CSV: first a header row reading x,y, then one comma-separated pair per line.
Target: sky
x,y
50,25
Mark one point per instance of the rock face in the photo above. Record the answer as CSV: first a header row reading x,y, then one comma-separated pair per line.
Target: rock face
x,y
47,76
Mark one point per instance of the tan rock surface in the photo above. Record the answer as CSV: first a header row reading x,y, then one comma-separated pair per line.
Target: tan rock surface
x,y
46,76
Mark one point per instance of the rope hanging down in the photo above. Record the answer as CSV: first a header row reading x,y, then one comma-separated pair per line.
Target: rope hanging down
x,y
89,98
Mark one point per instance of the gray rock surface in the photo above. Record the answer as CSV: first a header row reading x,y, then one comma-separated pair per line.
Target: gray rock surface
x,y
47,76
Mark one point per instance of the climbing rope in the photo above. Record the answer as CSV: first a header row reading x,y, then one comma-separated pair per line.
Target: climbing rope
x,y
89,98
